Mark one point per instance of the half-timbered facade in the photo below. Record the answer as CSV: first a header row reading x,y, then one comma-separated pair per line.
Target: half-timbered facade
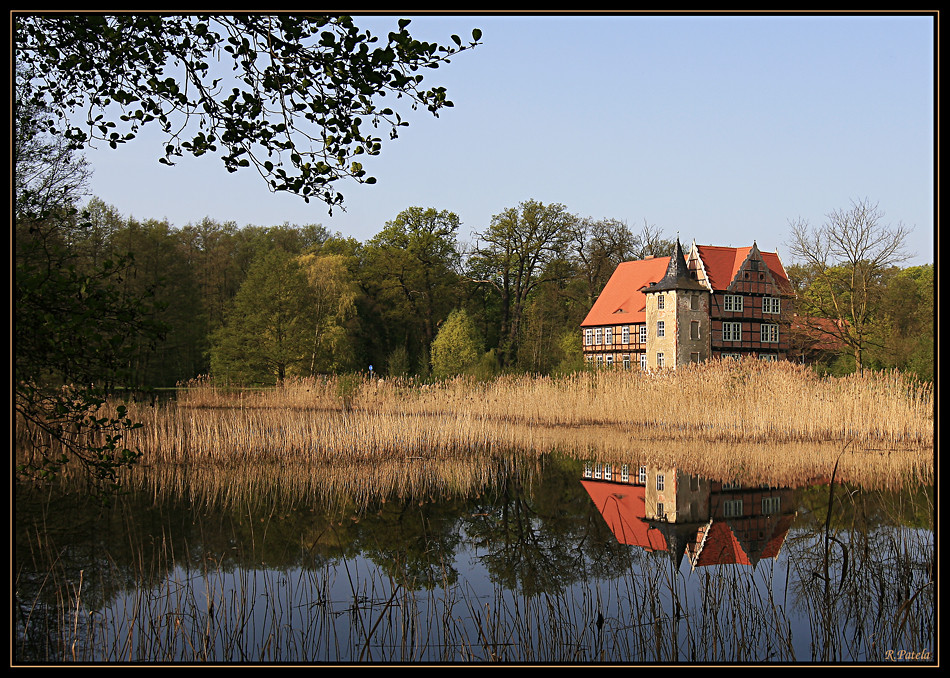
x,y
715,302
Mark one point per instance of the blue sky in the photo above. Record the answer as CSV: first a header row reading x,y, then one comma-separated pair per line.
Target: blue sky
x,y
721,129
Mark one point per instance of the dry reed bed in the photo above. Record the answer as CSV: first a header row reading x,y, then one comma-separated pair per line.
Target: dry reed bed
x,y
234,437
728,401
778,422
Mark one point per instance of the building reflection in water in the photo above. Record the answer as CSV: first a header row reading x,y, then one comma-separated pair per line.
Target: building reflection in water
x,y
707,521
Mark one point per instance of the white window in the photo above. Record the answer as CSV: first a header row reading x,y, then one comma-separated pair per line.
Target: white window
x,y
643,361
732,508
600,360
771,305
597,471
610,360
660,482
626,361
659,360
643,334
769,333
608,472
599,336
732,302
732,331
642,475
588,337
609,336
771,505
768,357
588,471
661,328
625,334
660,512
625,473
660,302
734,356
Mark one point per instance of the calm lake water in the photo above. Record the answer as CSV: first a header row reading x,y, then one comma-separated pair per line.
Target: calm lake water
x,y
553,561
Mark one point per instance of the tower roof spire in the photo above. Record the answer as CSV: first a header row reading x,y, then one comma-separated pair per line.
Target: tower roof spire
x,y
678,276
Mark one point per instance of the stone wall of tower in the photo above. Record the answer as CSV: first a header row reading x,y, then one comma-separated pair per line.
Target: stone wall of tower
x,y
661,329
685,335
693,335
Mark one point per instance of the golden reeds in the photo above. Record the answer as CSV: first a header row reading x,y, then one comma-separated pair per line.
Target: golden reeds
x,y
772,419
727,401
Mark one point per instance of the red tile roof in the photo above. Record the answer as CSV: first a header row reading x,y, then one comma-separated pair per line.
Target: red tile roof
x,y
738,542
621,301
624,509
820,334
723,263
721,547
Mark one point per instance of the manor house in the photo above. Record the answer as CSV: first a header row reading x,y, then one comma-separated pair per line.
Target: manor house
x,y
715,302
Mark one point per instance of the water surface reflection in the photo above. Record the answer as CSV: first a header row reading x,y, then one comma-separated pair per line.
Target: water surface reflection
x,y
550,559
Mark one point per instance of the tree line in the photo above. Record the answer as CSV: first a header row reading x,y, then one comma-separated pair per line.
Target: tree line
x,y
254,305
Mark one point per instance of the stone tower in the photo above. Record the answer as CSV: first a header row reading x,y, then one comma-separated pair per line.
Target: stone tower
x,y
677,316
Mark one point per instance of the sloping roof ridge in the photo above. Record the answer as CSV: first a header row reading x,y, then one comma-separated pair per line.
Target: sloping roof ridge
x,y
701,545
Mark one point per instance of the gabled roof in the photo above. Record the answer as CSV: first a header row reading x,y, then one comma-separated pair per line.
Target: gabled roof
x,y
622,300
743,541
722,264
721,547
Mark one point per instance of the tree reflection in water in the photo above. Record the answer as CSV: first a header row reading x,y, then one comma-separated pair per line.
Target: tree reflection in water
x,y
542,559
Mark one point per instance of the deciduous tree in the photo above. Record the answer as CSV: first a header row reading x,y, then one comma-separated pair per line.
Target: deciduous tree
x,y
77,328
333,303
412,266
846,257
456,349
268,332
298,96
515,255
